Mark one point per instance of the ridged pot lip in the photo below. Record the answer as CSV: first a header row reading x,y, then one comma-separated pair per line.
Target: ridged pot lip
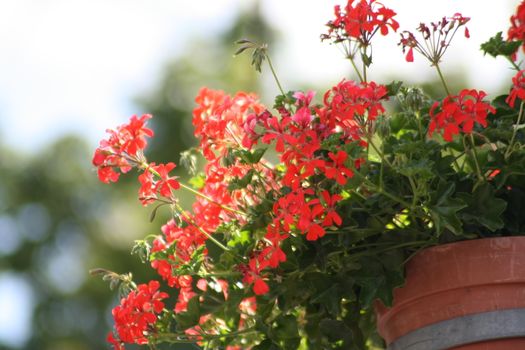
x,y
500,243
458,265
463,264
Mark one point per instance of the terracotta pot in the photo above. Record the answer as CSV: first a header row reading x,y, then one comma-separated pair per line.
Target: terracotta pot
x,y
468,295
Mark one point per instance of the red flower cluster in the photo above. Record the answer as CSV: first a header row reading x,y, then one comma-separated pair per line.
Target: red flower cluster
x,y
155,180
218,119
459,113
518,88
517,28
360,20
353,107
122,149
135,317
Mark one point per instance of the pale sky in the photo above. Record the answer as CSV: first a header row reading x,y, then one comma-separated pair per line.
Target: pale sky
x,y
76,65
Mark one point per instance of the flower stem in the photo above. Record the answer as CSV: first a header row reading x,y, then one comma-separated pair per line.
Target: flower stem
x,y
442,78
475,158
183,338
514,65
144,165
508,152
356,69
201,230
274,74
211,200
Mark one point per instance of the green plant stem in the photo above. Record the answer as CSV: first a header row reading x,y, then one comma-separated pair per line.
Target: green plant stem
x,y
183,338
458,167
379,152
514,65
375,187
474,153
356,69
274,74
419,125
358,255
146,166
201,230
364,72
442,78
508,152
211,200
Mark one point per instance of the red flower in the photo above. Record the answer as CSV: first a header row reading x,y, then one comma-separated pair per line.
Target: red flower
x,y
117,344
121,148
337,170
331,216
459,113
518,88
517,27
359,21
260,287
219,119
273,254
147,193
135,317
134,134
107,174
353,107
252,275
166,183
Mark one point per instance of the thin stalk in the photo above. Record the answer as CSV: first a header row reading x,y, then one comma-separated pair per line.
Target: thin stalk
x,y
364,70
356,70
379,152
211,200
420,126
145,166
442,78
458,167
481,177
508,152
374,187
514,65
274,74
182,338
397,246
201,230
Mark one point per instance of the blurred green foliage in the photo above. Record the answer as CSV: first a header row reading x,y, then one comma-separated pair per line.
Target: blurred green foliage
x,y
57,221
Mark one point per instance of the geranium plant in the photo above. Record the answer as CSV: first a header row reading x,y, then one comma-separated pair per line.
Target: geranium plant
x,y
305,213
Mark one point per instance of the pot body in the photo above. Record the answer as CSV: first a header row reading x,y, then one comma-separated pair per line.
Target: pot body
x,y
467,295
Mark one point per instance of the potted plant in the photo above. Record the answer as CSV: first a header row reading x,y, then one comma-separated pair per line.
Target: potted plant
x,y
306,214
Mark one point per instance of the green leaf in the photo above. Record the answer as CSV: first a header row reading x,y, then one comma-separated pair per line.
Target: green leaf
x,y
393,88
153,213
377,281
335,330
266,344
286,332
421,168
240,183
214,251
192,315
248,157
211,301
483,207
444,209
330,299
497,46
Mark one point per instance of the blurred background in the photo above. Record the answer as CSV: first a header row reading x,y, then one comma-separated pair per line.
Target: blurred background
x,y
71,69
